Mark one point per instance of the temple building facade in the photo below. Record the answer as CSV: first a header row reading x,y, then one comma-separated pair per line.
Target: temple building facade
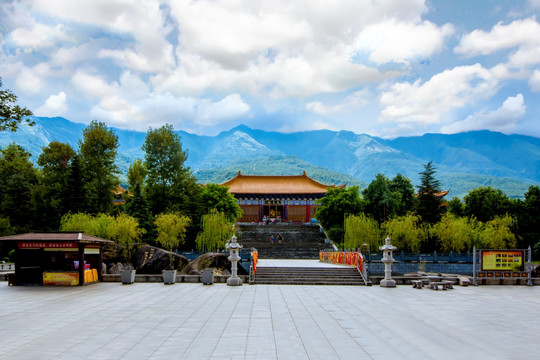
x,y
289,198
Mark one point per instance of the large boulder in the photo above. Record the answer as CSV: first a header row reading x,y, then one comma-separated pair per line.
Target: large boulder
x,y
152,260
217,261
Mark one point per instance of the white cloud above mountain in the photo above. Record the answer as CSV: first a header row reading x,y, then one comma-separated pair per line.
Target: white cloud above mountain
x,y
207,65
503,119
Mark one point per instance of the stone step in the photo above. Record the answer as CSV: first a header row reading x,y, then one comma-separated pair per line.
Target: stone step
x,y
308,276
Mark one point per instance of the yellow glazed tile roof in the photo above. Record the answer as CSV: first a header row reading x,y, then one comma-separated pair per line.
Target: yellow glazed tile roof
x,y
276,184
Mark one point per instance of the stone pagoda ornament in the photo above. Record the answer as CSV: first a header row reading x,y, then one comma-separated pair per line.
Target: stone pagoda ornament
x,y
387,260
234,257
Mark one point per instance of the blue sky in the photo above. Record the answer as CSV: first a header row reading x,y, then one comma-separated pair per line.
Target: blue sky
x,y
386,68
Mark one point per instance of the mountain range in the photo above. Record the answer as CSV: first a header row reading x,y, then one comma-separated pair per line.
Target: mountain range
x,y
463,161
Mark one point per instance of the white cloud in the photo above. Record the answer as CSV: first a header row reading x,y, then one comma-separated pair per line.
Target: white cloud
x,y
400,42
534,4
521,34
31,79
534,81
39,36
427,103
147,51
504,119
55,105
131,103
350,103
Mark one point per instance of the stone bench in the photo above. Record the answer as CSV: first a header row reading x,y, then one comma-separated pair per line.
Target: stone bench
x,y
417,284
464,281
444,285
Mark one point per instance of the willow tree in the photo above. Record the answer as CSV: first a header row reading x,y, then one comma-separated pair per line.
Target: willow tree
x,y
216,230
123,229
497,233
171,228
457,233
360,229
405,232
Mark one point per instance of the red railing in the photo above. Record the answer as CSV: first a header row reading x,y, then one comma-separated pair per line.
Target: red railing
x,y
353,258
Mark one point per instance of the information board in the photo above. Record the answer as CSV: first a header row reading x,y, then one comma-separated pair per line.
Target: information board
x,y
509,260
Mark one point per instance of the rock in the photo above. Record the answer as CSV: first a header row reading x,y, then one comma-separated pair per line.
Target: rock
x,y
218,261
116,269
152,260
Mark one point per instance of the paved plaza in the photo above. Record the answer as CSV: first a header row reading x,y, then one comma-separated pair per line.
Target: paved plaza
x,y
195,321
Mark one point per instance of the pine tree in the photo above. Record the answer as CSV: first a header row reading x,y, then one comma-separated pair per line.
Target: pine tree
x,y
428,206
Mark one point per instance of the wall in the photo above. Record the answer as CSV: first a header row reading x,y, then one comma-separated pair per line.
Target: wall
x,y
398,268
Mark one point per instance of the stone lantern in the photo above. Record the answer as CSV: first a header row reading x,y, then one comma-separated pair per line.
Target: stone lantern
x,y
234,257
387,259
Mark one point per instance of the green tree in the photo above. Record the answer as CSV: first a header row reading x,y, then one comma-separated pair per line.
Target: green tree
x,y
123,229
170,185
405,232
527,218
101,225
171,228
497,233
380,201
216,230
55,161
402,185
486,203
334,206
17,179
137,206
457,233
456,207
12,115
75,195
98,150
428,204
125,232
360,229
217,197
136,173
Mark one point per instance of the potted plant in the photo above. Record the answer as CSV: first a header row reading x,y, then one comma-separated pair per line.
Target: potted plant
x,y
171,229
125,231
207,274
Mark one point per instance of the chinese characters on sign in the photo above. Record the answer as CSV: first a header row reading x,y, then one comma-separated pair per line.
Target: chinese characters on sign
x,y
46,244
502,260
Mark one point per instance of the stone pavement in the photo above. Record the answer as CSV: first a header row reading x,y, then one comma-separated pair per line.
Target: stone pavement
x,y
195,321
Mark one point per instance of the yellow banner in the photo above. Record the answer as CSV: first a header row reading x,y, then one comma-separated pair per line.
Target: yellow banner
x,y
502,260
61,278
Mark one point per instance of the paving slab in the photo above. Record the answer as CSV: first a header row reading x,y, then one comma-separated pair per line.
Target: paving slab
x,y
195,321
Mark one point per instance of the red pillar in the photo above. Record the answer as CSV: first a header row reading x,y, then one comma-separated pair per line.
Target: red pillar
x,y
308,212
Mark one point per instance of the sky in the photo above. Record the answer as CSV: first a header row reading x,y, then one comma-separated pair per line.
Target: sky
x,y
386,68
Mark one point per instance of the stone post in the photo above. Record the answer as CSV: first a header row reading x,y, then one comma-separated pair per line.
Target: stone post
x,y
387,260
234,248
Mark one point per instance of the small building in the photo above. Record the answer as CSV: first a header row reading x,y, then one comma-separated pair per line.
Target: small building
x,y
277,197
66,258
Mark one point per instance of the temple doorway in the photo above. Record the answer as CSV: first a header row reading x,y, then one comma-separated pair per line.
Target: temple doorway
x,y
273,212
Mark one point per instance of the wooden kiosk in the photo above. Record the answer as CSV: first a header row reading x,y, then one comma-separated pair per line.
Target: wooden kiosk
x,y
66,258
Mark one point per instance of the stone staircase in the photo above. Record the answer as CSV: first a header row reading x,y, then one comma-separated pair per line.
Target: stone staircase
x,y
299,241
308,276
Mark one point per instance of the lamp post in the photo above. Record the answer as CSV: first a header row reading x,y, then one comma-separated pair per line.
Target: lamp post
x,y
387,259
234,248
